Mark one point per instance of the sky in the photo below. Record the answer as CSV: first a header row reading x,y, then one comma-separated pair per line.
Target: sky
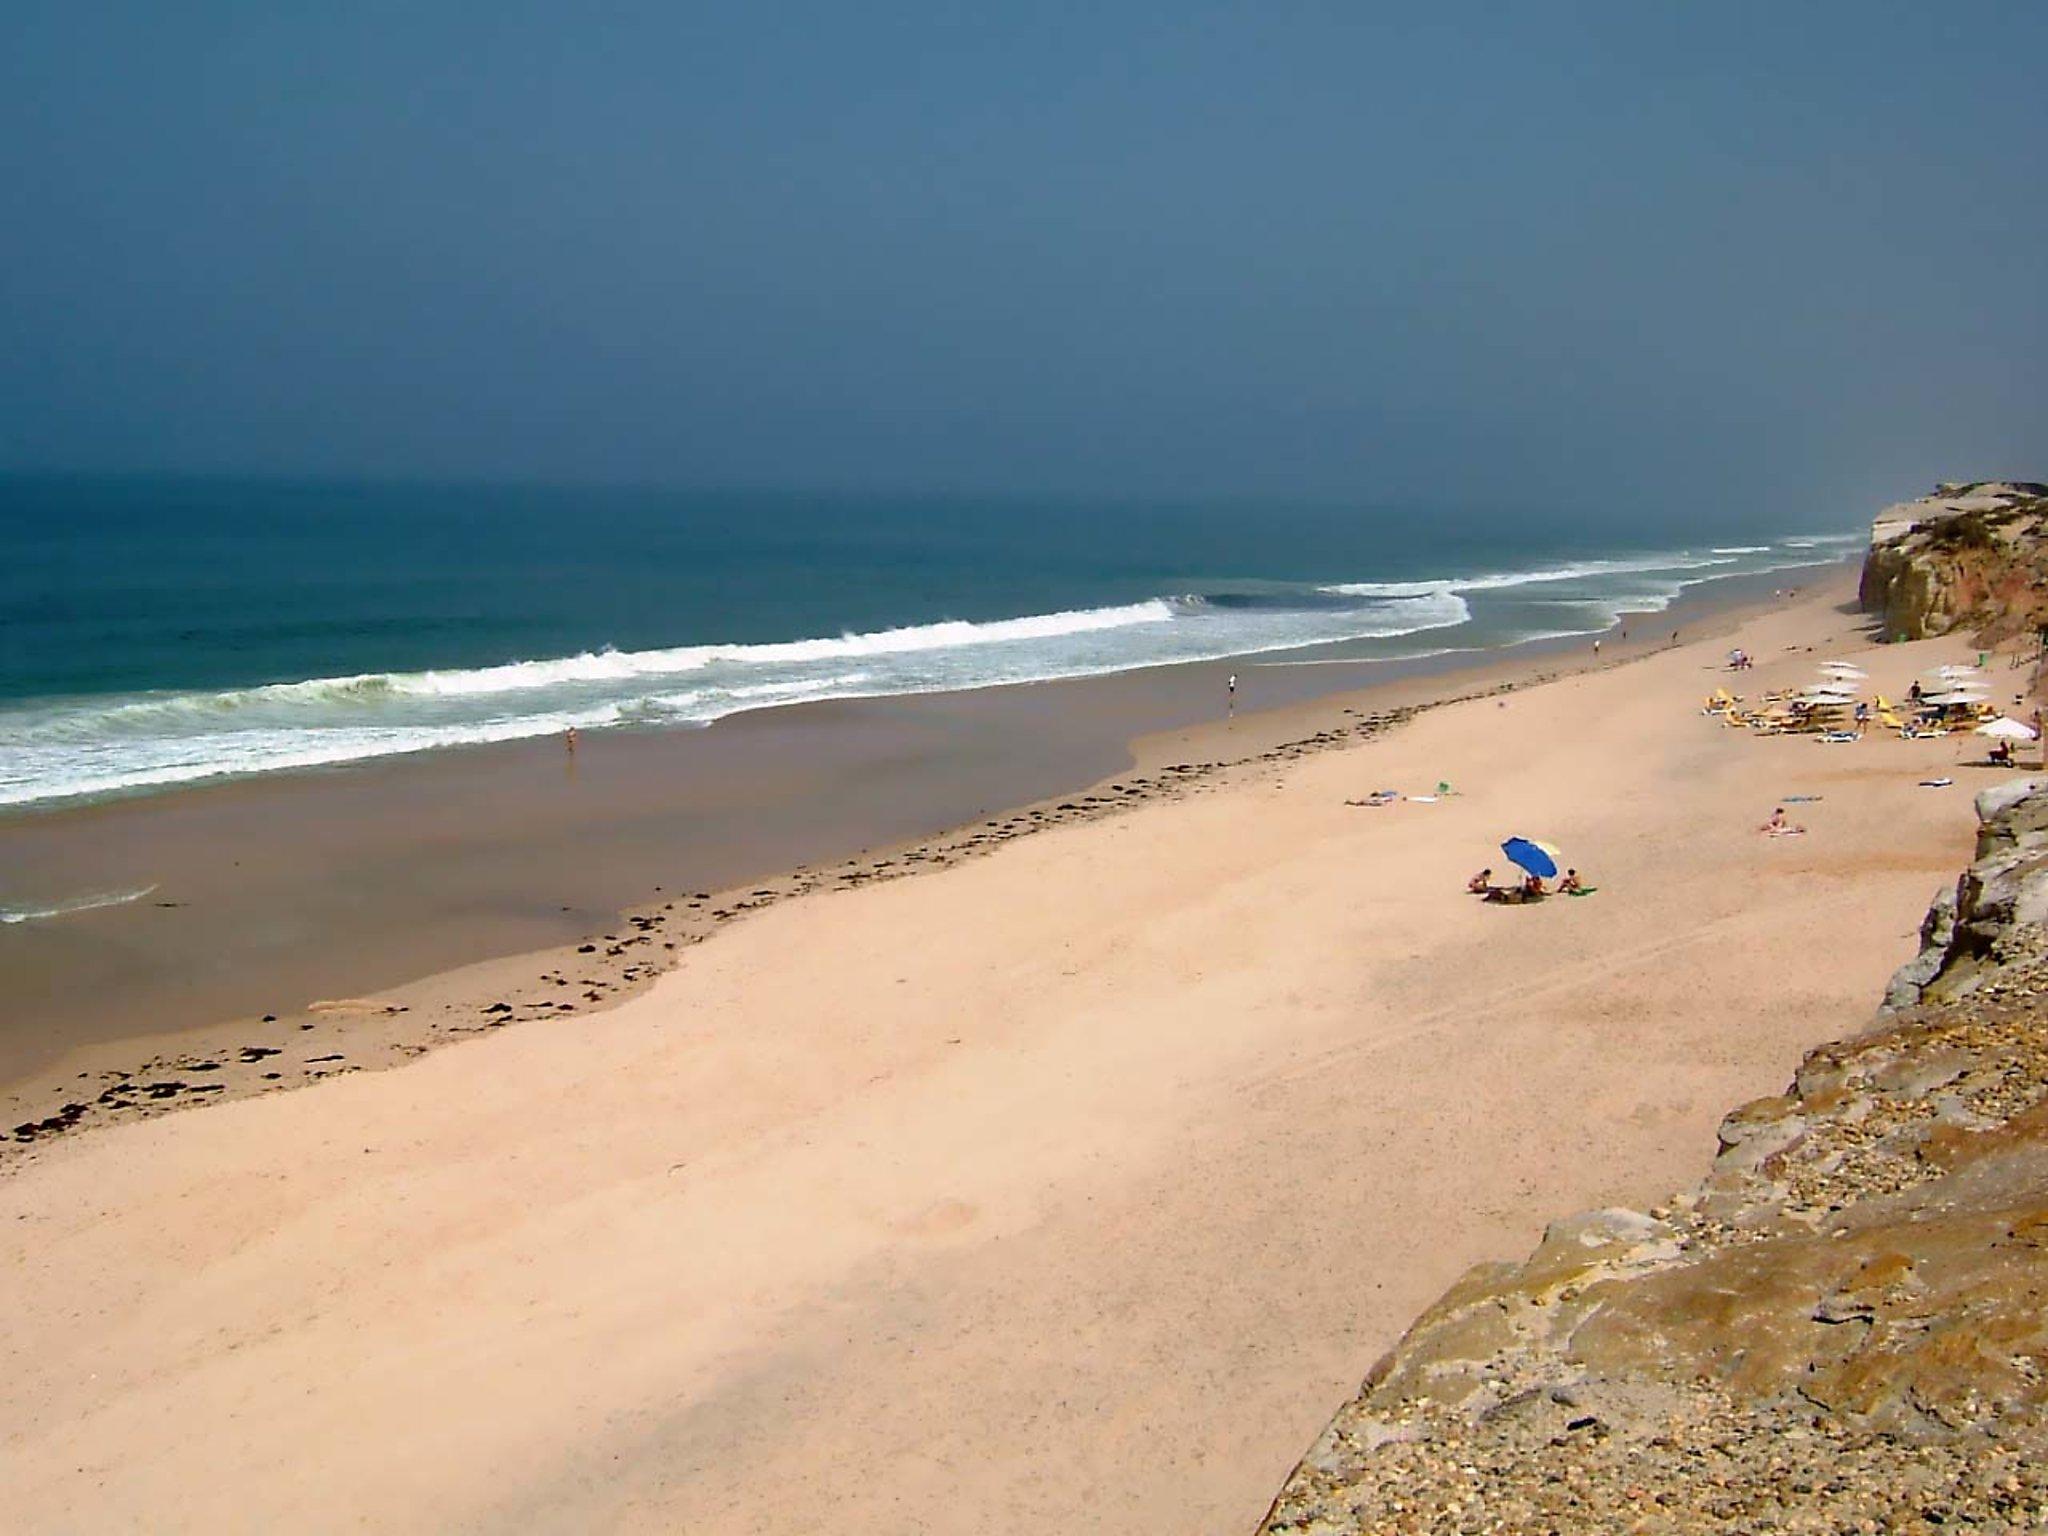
x,y
1739,254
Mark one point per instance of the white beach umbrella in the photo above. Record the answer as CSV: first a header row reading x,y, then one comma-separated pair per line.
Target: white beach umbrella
x,y
1843,669
1955,696
2005,728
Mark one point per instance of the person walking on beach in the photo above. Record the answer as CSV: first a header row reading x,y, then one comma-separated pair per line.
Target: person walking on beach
x,y
569,740
1230,690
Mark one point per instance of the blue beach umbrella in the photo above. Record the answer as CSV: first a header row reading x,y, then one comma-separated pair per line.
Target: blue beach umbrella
x,y
1539,859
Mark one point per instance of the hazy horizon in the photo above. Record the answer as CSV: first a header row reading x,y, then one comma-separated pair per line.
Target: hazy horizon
x,y
1730,260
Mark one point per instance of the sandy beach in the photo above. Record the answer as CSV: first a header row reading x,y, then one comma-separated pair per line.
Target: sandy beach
x,y
1067,1186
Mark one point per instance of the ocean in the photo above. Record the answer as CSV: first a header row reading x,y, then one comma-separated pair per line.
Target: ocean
x,y
157,632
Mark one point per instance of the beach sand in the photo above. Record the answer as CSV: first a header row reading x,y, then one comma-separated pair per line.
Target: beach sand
x,y
1070,1186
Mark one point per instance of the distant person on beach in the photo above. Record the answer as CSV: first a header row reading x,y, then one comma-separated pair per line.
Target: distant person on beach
x,y
1778,826
1571,884
1231,694
1596,647
1480,883
569,740
1532,888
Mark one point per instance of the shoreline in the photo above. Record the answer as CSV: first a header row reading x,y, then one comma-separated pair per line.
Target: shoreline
x,y
177,1048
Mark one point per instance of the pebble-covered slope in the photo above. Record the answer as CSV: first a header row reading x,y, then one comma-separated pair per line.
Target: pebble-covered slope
x,y
1844,1327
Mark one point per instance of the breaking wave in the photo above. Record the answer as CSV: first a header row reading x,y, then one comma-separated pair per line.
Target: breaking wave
x,y
91,903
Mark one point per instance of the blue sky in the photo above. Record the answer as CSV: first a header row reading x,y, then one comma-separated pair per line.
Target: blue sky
x,y
1698,255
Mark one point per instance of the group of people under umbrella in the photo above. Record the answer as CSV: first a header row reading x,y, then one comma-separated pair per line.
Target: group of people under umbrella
x,y
1538,862
1833,708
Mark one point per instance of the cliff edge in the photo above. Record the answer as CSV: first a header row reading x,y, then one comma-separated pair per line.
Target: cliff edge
x,y
1969,557
1844,1327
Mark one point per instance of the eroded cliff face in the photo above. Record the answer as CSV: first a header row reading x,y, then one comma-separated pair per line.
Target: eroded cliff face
x,y
1969,557
1843,1327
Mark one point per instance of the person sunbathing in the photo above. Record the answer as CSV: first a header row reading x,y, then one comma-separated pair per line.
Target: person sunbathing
x,y
1532,888
1571,884
1480,883
2001,754
1778,826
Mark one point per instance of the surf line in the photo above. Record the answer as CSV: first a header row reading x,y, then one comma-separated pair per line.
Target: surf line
x,y
77,904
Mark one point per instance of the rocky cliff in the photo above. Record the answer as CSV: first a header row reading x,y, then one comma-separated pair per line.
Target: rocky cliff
x,y
1969,557
1844,1327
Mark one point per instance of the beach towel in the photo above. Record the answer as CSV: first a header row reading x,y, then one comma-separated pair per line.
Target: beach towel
x,y
1584,890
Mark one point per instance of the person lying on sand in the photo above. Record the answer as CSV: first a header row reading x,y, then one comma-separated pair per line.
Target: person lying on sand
x,y
1378,797
1480,883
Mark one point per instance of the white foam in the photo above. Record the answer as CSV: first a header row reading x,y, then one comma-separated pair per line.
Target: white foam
x,y
614,666
1501,580
90,903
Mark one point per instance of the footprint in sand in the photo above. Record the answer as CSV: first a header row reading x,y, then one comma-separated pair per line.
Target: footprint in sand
x,y
942,1218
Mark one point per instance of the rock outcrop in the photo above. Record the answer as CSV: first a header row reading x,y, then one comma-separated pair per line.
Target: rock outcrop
x,y
1969,557
1843,1327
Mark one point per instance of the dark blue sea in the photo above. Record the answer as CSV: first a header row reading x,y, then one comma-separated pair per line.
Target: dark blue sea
x,y
158,632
